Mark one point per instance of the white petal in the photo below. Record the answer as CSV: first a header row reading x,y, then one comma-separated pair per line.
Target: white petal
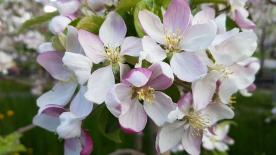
x,y
70,126
138,77
80,106
99,84
170,136
191,142
58,24
45,47
131,46
187,66
113,30
204,16
79,64
199,37
152,25
72,42
60,94
159,109
154,53
204,89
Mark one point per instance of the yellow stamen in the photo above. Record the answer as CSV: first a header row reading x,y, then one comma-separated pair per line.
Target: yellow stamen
x,y
172,42
220,68
113,54
197,121
146,94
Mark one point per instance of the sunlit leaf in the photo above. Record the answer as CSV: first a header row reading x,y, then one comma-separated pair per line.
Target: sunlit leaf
x,y
90,23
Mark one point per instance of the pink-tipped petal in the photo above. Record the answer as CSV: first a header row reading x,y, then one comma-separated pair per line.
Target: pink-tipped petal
x,y
185,102
99,84
177,17
92,46
48,117
243,22
131,46
87,143
187,66
152,25
135,118
159,109
162,76
154,53
52,62
113,30
199,37
138,77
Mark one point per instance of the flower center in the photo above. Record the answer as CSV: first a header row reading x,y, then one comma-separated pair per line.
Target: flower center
x,y
146,94
197,121
220,68
172,42
113,54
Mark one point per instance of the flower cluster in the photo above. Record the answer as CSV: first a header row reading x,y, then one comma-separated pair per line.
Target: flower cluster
x,y
196,53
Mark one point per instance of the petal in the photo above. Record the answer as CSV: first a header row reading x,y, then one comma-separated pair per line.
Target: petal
x,y
48,117
87,143
159,109
70,126
199,37
235,48
58,24
134,119
72,146
177,17
204,16
60,94
185,102
45,47
92,46
131,46
124,69
187,66
119,94
161,77
204,90
99,84
154,53
72,42
152,25
68,7
80,106
243,22
113,30
224,36
216,112
52,62
191,142
226,89
221,23
98,5
138,77
170,136
79,64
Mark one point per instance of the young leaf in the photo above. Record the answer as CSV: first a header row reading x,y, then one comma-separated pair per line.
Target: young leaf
x,y
36,21
126,5
90,23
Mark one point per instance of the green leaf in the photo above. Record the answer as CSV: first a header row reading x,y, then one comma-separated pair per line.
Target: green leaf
x,y
107,124
90,23
173,92
230,24
36,21
126,5
11,144
59,42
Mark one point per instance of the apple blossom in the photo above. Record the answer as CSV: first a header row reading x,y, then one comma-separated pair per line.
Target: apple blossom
x,y
188,124
141,85
110,47
178,38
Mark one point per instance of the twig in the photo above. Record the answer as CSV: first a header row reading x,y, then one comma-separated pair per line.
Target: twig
x,y
126,152
271,2
26,128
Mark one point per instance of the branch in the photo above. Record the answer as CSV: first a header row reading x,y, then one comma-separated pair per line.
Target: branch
x,y
26,128
271,2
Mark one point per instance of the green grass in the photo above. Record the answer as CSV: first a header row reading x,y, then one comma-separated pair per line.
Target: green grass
x,y
253,135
